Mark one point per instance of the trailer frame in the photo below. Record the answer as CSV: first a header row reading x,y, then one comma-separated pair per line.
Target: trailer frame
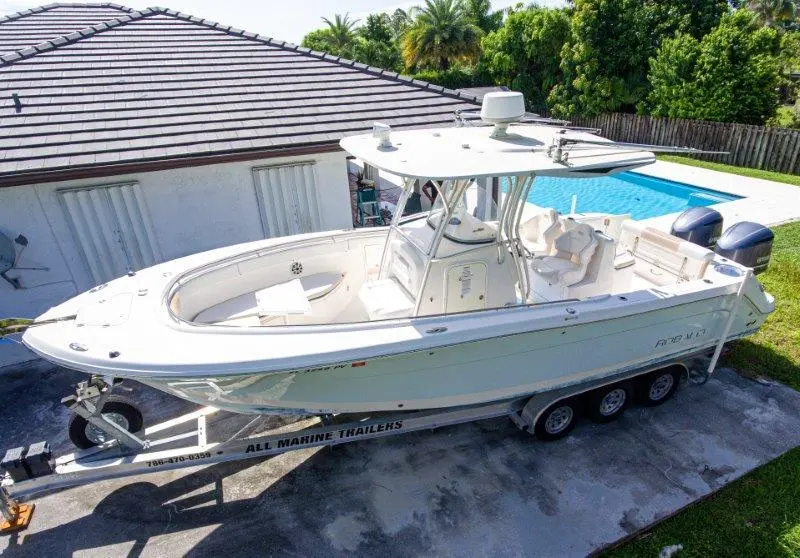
x,y
161,446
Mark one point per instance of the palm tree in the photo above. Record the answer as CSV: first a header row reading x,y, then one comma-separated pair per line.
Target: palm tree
x,y
400,20
480,13
341,30
441,34
773,11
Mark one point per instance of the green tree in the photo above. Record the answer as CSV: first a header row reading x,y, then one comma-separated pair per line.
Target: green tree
x,y
480,13
400,21
773,12
730,75
320,40
341,30
524,53
375,53
370,44
377,27
605,62
440,35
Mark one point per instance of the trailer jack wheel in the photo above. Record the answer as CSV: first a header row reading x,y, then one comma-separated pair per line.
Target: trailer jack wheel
x,y
119,410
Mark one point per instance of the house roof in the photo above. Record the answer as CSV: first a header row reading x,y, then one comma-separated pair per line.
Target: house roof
x,y
31,27
155,88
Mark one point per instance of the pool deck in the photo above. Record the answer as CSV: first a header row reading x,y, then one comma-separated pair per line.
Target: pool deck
x,y
763,201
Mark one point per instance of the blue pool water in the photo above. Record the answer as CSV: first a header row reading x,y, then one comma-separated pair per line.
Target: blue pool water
x,y
627,192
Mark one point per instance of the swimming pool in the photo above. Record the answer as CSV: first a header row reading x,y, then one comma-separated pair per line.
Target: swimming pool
x,y
628,192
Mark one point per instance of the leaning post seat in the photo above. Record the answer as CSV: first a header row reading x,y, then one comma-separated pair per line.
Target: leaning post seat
x,y
570,257
661,258
539,232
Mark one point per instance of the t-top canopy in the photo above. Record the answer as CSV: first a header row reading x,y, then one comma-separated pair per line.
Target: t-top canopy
x,y
471,152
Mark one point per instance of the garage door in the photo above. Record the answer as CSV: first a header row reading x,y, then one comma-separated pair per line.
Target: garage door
x,y
111,227
287,199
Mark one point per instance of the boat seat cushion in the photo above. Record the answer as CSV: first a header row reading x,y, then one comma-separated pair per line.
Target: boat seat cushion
x,y
261,303
384,299
551,267
664,259
539,232
572,252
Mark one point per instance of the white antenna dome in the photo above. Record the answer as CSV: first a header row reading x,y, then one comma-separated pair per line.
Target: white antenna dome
x,y
501,108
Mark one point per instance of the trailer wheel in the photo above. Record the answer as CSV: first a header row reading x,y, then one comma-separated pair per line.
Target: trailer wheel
x,y
608,402
656,387
119,410
558,420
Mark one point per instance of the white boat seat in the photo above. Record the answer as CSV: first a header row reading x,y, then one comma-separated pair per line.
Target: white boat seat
x,y
291,300
551,267
540,231
572,252
664,259
384,299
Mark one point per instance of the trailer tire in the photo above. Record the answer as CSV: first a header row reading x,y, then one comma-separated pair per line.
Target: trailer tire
x,y
558,419
121,410
655,388
609,402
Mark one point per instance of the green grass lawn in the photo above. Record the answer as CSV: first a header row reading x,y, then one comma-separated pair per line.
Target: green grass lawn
x,y
743,171
759,514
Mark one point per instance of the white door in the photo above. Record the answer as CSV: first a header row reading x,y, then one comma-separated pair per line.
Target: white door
x,y
111,227
287,199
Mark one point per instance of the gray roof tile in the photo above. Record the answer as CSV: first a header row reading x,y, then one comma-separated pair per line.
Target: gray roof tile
x,y
164,85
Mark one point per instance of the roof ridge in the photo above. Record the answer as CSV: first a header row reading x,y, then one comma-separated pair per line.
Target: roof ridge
x,y
380,72
39,9
54,43
24,13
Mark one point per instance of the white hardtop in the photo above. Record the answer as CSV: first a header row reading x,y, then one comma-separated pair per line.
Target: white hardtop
x,y
471,152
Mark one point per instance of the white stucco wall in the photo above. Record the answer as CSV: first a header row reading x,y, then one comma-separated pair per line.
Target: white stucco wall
x,y
191,209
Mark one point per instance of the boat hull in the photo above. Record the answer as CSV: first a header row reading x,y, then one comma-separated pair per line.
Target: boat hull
x,y
477,371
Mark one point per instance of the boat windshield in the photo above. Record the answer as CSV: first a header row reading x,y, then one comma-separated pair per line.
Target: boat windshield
x,y
473,213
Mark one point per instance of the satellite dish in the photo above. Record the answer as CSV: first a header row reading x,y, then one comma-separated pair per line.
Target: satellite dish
x,y
8,253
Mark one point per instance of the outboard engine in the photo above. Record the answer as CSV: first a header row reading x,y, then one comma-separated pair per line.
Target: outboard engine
x,y
747,243
698,225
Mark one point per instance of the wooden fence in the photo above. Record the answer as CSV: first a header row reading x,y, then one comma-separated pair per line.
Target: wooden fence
x,y
758,147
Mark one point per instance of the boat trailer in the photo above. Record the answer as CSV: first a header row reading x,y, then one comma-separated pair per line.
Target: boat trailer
x,y
183,441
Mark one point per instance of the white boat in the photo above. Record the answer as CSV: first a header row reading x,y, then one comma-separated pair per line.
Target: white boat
x,y
481,299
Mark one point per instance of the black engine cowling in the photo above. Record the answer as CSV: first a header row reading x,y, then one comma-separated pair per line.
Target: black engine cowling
x,y
747,243
698,225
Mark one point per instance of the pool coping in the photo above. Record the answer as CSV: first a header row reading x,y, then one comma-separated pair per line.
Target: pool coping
x,y
763,201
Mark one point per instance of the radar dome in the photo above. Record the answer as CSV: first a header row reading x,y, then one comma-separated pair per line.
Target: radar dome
x,y
502,108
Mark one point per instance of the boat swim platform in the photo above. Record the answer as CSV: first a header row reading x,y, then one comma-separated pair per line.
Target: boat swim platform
x,y
482,487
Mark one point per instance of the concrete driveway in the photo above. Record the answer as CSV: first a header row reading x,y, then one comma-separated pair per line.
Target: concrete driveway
x,y
476,489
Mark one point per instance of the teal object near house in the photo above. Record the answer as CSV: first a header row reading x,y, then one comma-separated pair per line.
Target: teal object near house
x,y
369,211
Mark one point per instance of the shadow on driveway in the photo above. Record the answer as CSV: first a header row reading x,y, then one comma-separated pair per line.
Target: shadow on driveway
x,y
472,489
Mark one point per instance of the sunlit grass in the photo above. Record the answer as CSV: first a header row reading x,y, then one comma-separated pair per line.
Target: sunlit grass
x,y
742,171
